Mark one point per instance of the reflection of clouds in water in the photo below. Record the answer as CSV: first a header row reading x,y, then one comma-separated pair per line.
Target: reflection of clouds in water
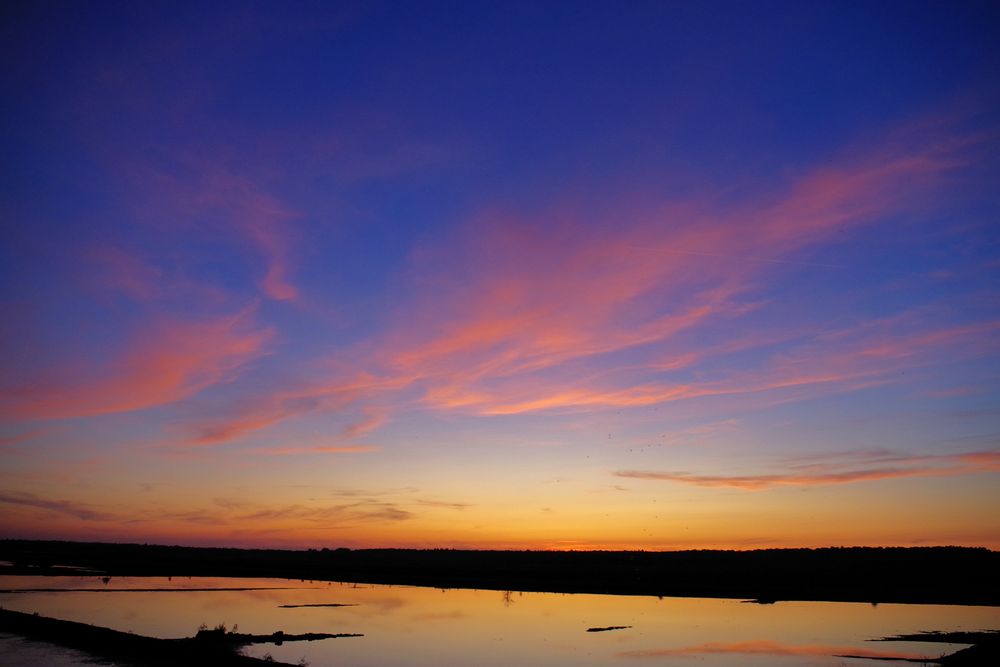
x,y
363,600
769,647
242,598
386,604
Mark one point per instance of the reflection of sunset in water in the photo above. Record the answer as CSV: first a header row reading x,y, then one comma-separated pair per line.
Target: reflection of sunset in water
x,y
768,647
426,626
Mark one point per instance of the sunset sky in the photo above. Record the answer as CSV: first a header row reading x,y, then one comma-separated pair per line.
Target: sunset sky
x,y
566,275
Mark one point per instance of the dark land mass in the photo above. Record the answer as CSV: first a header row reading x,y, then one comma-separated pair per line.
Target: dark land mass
x,y
144,590
609,628
960,637
924,575
299,606
208,647
985,649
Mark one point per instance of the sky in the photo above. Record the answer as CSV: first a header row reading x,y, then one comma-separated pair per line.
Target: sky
x,y
539,275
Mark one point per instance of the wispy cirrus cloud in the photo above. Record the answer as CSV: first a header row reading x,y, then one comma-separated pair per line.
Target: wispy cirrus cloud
x,y
365,510
542,305
145,278
986,458
757,482
114,269
854,359
574,310
168,361
261,218
819,474
442,504
373,493
224,513
246,420
317,449
371,419
71,508
188,189
24,436
262,411
199,517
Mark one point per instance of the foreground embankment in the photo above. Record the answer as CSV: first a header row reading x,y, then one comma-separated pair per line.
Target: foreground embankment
x,y
124,646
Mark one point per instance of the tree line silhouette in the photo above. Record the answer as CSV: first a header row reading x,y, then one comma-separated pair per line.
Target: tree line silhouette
x,y
946,575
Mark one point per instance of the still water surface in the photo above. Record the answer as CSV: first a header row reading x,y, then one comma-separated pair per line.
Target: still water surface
x,y
416,627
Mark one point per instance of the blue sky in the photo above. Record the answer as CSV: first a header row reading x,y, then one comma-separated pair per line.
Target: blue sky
x,y
500,274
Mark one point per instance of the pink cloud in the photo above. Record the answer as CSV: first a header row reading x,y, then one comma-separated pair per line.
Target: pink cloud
x,y
24,436
372,418
853,360
122,271
988,460
531,306
248,421
167,362
193,191
319,449
117,269
291,401
553,313
259,216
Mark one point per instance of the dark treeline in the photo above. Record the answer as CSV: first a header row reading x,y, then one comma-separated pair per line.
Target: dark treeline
x,y
947,575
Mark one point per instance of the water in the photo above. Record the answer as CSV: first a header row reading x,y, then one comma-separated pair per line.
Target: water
x,y
16,651
408,626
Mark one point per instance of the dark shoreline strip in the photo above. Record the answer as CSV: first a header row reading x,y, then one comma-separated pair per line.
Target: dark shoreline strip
x,y
922,661
610,627
985,649
332,604
153,590
905,575
235,639
960,637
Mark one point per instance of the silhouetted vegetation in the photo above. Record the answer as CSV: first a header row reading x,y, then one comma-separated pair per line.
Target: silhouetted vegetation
x,y
945,575
219,635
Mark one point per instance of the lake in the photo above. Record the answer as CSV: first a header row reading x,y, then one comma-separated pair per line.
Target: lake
x,y
413,626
